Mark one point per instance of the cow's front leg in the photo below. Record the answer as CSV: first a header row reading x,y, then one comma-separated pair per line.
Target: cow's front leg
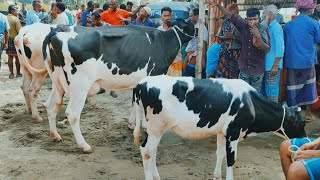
x,y
232,139
149,153
73,112
221,153
53,105
36,86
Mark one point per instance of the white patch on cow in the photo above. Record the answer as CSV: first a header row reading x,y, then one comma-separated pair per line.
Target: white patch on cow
x,y
148,38
229,84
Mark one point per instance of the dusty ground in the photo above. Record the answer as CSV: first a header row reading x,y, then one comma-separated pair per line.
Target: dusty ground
x,y
26,151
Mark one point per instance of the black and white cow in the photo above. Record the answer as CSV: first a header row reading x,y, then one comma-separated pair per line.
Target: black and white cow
x,y
113,58
197,109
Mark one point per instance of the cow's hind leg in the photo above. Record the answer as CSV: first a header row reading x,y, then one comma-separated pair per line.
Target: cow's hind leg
x,y
25,87
53,105
36,86
221,153
149,154
77,100
232,139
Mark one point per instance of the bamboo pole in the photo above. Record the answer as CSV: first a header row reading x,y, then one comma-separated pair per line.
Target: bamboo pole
x,y
201,22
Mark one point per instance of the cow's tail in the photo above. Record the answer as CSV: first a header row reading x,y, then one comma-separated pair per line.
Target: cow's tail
x,y
137,107
23,54
45,44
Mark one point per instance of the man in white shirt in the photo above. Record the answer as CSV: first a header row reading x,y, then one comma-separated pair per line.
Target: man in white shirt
x,y
166,15
62,17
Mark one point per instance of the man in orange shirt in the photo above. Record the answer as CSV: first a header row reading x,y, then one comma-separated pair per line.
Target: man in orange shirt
x,y
115,16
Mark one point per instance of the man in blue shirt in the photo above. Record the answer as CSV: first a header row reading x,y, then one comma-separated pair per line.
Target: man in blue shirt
x,y
86,14
4,36
273,59
144,19
301,35
33,15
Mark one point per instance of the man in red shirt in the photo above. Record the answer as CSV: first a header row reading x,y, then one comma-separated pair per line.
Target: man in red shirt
x,y
115,16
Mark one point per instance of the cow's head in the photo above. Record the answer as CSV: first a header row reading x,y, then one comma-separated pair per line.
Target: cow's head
x,y
186,28
293,123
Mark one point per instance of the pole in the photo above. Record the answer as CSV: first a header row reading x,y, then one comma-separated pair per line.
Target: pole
x,y
201,20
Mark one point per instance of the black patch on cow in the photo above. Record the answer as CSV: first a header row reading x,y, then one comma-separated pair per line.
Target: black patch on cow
x,y
179,89
208,99
144,142
149,97
233,132
122,46
66,75
114,71
56,53
20,52
28,52
109,65
235,107
74,69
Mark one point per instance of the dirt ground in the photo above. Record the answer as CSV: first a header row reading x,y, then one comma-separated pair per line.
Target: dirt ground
x,y
26,151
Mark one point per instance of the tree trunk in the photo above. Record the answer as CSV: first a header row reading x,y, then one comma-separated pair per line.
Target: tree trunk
x,y
201,38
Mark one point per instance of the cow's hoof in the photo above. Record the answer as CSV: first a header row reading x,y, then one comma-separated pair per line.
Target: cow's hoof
x,y
113,94
38,119
55,137
86,148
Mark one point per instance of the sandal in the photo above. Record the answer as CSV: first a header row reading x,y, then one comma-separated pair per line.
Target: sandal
x,y
18,75
11,76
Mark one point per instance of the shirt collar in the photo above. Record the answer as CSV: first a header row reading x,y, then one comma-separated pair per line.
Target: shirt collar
x,y
273,23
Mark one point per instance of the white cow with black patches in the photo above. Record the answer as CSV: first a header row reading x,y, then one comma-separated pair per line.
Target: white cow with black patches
x,y
112,58
197,109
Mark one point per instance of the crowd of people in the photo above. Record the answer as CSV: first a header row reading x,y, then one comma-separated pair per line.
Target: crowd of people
x,y
254,49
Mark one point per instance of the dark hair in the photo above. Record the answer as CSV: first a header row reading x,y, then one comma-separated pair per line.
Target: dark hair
x,y
123,6
105,6
90,4
129,3
195,11
96,15
166,9
76,6
53,4
252,12
12,8
35,2
96,5
61,6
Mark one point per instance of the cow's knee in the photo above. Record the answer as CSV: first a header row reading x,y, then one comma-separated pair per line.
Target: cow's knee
x,y
297,171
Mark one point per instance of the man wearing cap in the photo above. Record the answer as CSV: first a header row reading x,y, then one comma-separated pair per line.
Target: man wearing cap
x,y
143,19
301,35
116,16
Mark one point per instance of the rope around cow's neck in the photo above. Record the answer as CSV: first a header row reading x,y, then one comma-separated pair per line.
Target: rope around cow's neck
x,y
175,31
290,148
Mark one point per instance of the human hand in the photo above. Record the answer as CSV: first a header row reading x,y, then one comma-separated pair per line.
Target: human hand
x,y
210,3
254,30
121,18
5,46
307,154
143,5
309,146
274,70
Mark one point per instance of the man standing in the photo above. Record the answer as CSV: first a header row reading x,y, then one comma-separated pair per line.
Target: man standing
x,y
273,64
85,16
115,16
96,20
33,15
301,35
166,15
23,11
255,44
15,25
4,36
62,19
192,48
143,19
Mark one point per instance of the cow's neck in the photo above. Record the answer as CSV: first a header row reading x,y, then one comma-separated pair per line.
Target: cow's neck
x,y
172,45
268,115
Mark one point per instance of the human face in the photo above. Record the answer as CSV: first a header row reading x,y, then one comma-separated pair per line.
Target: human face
x,y
129,8
143,13
113,5
95,21
83,8
15,13
253,20
39,7
267,16
166,16
194,19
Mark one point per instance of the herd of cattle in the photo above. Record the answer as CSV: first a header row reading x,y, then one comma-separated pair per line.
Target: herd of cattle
x,y
81,61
